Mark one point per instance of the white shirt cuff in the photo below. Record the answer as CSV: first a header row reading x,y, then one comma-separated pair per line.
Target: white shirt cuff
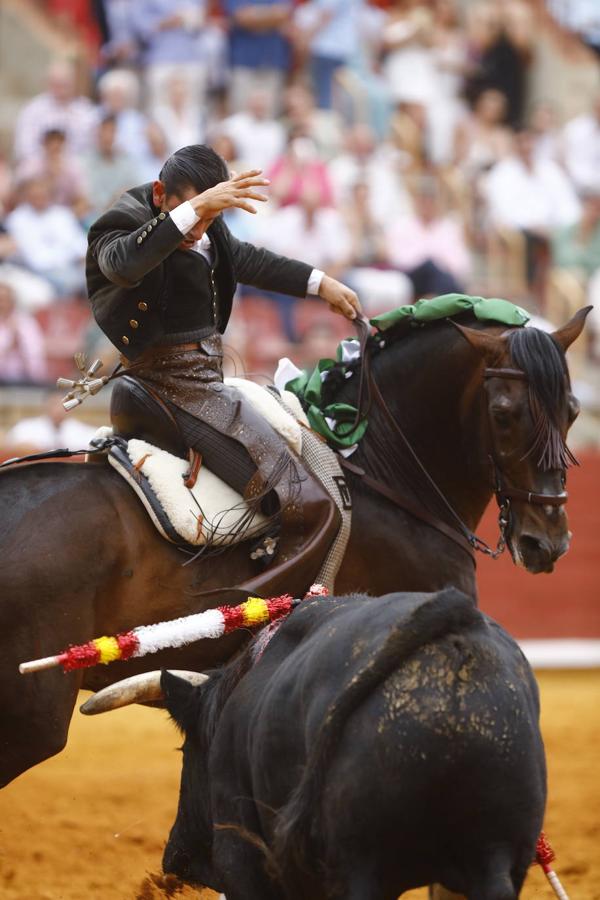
x,y
184,217
314,282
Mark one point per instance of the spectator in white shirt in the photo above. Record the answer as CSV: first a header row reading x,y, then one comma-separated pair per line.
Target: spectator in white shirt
x,y
532,196
49,239
528,194
543,122
178,115
59,107
319,230
54,429
379,166
259,139
119,92
22,355
581,148
31,291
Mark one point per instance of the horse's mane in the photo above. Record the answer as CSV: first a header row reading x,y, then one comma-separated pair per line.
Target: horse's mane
x,y
544,364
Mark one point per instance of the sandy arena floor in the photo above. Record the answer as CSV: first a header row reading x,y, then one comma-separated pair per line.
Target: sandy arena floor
x,y
91,823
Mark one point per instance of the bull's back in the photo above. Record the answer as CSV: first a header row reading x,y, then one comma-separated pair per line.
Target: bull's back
x,y
441,772
432,763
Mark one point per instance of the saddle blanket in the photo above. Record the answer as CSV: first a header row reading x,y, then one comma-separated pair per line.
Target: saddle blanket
x,y
211,510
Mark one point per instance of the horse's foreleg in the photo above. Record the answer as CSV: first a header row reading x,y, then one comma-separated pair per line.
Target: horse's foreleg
x,y
36,711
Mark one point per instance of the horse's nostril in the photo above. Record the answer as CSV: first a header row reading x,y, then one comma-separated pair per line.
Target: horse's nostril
x,y
537,553
531,543
535,548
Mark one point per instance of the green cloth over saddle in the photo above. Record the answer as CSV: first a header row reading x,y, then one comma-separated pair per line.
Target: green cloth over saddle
x,y
337,422
491,309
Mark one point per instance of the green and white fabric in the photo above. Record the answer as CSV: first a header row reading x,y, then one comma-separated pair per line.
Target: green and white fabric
x,y
337,422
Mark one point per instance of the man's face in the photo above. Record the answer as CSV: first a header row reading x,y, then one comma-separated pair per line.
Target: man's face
x,y
167,202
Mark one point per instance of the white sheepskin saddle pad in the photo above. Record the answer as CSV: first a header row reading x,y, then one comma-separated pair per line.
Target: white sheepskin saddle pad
x,y
211,510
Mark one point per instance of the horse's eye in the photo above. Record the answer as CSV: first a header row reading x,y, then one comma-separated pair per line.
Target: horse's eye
x,y
574,408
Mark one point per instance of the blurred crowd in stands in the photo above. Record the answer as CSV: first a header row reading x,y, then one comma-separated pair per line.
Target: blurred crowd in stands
x,y
404,155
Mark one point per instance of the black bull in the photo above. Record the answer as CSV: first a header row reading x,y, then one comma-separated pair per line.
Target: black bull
x,y
373,748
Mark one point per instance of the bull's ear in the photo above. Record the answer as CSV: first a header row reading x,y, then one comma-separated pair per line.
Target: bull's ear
x,y
492,347
565,336
178,694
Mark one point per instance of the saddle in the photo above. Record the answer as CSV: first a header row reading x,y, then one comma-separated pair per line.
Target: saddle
x,y
186,501
147,449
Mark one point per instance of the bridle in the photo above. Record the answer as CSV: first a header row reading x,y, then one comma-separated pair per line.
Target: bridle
x,y
369,394
503,493
500,489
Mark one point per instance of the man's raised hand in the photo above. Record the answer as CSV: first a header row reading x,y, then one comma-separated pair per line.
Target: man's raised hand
x,y
236,192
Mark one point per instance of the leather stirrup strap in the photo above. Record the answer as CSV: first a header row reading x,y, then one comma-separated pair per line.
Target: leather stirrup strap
x,y
195,466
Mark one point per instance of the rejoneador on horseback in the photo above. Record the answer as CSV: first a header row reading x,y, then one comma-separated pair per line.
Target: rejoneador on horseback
x,y
162,268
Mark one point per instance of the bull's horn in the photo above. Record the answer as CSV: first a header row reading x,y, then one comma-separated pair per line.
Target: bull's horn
x,y
137,689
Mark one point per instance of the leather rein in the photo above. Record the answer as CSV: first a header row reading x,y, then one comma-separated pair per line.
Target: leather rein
x,y
460,533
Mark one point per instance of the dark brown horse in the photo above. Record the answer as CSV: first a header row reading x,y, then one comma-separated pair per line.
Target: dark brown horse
x,y
80,558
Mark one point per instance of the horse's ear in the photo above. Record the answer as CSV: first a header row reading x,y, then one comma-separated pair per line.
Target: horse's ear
x,y
565,336
490,346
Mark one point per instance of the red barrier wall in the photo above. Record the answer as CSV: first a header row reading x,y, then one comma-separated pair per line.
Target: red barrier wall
x,y
565,603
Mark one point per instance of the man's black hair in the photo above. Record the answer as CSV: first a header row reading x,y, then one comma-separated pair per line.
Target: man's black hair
x,y
196,166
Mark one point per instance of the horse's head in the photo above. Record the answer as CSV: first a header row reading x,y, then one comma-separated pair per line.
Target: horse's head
x,y
529,409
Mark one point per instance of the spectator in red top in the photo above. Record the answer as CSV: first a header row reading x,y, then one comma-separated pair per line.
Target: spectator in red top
x,y
429,246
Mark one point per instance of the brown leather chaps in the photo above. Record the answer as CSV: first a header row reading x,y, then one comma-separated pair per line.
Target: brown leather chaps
x,y
239,446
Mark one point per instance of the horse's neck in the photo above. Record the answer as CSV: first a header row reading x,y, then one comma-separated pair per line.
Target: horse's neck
x,y
431,385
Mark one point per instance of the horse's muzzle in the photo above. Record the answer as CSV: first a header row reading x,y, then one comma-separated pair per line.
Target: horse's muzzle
x,y
538,554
